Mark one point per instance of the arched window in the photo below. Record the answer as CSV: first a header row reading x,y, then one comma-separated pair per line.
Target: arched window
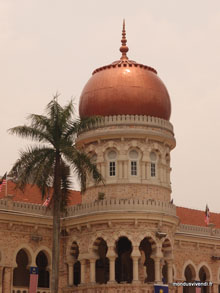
x,y
133,156
153,159
43,274
21,273
112,155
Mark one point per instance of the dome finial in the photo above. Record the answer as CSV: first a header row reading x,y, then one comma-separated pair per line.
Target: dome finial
x,y
124,48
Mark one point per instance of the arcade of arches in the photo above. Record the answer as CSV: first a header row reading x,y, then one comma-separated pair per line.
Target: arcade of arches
x,y
21,272
122,263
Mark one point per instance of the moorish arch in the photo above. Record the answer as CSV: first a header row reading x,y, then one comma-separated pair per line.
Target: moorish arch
x,y
155,146
92,242
47,252
167,257
189,267
100,250
111,144
28,250
76,265
136,144
123,261
42,263
167,248
204,272
21,271
147,248
189,276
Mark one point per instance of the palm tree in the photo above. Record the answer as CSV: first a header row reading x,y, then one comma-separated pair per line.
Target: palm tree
x,y
49,163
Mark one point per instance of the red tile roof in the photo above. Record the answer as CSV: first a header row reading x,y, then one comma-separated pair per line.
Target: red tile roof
x,y
196,217
32,194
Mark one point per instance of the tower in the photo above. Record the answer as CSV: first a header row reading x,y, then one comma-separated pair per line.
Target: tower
x,y
131,147
126,226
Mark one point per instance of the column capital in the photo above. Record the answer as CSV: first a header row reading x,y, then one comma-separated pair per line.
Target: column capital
x,y
92,259
82,261
135,252
71,261
156,258
111,254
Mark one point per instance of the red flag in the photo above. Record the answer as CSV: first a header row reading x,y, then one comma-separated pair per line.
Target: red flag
x,y
47,201
207,215
3,181
33,279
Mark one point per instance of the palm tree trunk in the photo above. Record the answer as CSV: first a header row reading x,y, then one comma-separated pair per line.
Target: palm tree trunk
x,y
56,226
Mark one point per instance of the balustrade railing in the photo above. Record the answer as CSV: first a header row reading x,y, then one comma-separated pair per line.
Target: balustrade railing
x,y
98,206
198,230
110,205
28,208
132,120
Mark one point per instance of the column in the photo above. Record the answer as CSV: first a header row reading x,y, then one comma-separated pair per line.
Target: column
x,y
126,169
143,171
135,269
83,267
111,255
120,169
92,270
170,272
148,171
103,169
70,273
112,269
135,256
7,280
157,269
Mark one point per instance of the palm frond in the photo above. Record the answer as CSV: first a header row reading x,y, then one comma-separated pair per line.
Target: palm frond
x,y
30,132
65,185
83,124
31,165
82,165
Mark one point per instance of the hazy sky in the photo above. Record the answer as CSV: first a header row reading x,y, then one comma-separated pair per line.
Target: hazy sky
x,y
50,46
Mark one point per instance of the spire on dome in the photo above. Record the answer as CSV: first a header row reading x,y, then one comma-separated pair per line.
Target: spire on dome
x,y
124,49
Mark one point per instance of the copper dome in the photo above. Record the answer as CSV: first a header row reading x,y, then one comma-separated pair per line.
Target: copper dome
x,y
125,87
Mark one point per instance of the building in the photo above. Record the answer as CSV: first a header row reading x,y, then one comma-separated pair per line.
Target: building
x,y
126,235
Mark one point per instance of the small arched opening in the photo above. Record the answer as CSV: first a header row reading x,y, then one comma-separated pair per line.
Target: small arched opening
x,y
102,263
165,273
167,256
21,272
204,276
123,263
190,276
74,251
43,273
147,245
